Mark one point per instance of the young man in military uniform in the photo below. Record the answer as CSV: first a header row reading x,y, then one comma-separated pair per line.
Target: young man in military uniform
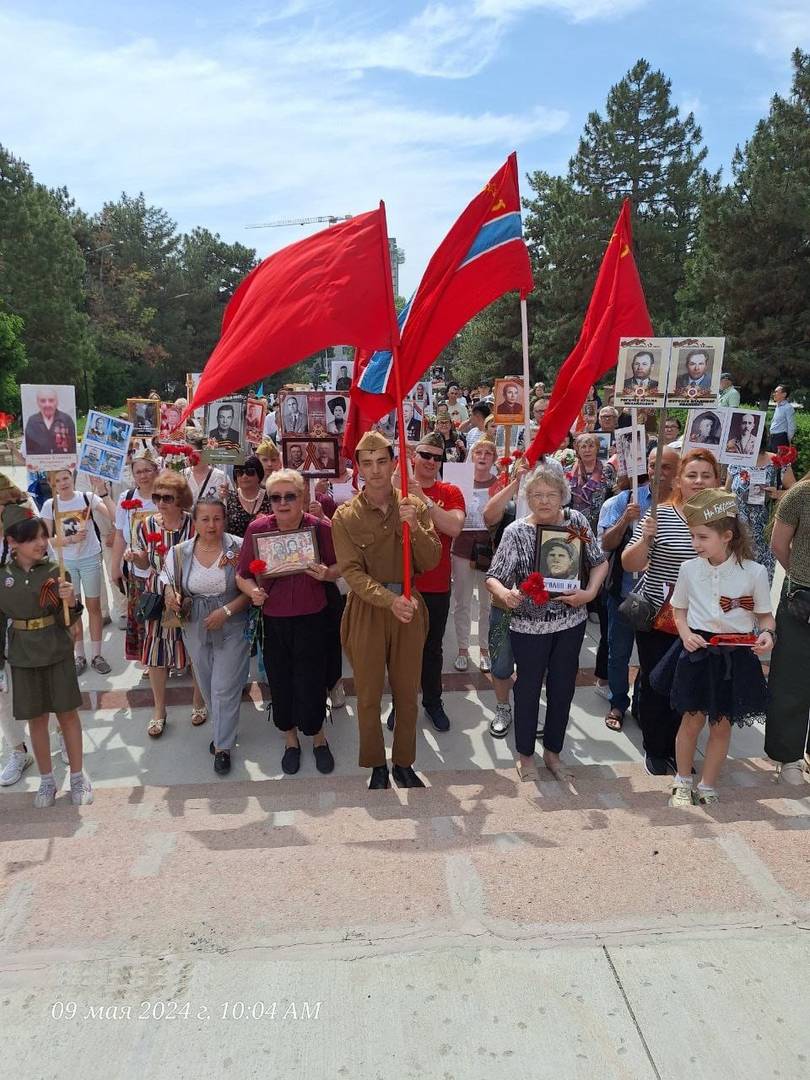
x,y
381,627
40,649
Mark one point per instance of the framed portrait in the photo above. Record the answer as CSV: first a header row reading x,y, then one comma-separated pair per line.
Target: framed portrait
x,y
144,415
422,395
558,556
225,431
510,407
743,437
641,372
69,522
413,415
631,450
294,413
694,372
192,382
342,371
286,552
314,458
111,465
169,420
604,441
49,426
104,446
705,429
118,434
255,415
337,409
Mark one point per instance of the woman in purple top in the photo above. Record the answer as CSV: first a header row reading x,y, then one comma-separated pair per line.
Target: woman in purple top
x,y
296,621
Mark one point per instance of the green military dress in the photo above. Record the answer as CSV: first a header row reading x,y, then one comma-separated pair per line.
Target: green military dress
x,y
42,660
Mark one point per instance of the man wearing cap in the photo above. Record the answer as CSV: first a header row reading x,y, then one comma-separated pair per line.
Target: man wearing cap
x,y
381,627
729,396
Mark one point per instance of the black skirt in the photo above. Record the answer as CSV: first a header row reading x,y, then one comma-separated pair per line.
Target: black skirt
x,y
724,682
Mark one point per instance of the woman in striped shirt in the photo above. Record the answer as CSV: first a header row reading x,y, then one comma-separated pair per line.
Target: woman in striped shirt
x,y
660,543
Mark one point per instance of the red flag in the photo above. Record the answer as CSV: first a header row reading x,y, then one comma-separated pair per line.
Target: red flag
x,y
481,258
617,309
334,288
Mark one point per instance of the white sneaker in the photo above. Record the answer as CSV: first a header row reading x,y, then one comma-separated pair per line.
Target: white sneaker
x,y
46,796
461,662
18,762
792,772
484,664
81,793
63,754
337,696
602,690
501,722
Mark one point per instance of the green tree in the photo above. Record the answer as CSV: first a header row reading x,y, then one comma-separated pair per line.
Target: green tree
x,y
750,271
42,275
489,345
12,360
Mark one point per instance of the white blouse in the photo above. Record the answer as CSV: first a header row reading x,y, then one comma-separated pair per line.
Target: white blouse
x,y
206,580
700,587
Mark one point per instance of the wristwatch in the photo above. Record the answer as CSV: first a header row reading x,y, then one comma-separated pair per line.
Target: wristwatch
x,y
430,502
227,610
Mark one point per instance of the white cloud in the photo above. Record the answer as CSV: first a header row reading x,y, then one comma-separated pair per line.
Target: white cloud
x,y
243,132
576,10
781,28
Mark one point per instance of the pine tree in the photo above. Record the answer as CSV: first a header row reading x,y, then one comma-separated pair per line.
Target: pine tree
x,y
750,271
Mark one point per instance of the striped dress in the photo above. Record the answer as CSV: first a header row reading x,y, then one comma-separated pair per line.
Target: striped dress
x,y
162,646
671,547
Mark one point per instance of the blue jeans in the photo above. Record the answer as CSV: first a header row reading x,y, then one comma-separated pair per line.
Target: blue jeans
x,y
500,645
620,648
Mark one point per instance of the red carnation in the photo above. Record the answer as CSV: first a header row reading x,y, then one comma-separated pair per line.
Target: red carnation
x,y
161,549
745,476
784,456
257,566
505,462
131,504
534,587
152,537
517,454
194,457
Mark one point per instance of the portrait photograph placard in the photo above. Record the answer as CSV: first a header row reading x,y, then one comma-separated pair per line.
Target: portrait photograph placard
x,y
294,412
342,371
641,372
314,458
694,372
286,552
256,413
49,426
743,437
510,406
631,450
225,432
337,408
192,382
422,395
69,523
413,416
558,557
104,446
170,420
144,415
705,429
604,441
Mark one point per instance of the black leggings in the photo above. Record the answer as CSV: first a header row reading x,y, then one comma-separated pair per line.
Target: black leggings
x,y
553,656
296,658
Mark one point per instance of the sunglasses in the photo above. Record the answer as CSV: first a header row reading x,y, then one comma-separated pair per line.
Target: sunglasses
x,y
249,471
161,497
425,456
283,497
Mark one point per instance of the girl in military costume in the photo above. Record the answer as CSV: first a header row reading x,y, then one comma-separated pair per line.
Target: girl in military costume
x,y
40,648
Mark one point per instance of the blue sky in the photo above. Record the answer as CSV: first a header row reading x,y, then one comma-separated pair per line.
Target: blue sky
x,y
227,115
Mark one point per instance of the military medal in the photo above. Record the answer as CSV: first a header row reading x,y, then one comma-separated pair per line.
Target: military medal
x,y
9,582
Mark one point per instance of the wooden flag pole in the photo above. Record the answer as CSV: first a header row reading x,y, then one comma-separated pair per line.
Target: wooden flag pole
x,y
634,424
403,477
524,337
59,530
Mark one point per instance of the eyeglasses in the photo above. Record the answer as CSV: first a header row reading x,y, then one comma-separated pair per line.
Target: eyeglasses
x,y
283,497
425,456
543,496
159,496
249,471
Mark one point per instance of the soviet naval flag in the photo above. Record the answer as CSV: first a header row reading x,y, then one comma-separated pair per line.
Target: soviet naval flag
x,y
481,258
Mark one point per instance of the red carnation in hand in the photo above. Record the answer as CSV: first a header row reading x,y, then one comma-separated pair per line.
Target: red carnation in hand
x,y
784,456
534,587
131,504
161,549
505,462
257,566
152,537
517,454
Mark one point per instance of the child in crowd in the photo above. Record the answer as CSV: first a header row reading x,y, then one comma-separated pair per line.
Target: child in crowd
x,y
722,591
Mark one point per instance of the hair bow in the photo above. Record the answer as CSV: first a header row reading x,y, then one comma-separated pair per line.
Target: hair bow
x,y
728,603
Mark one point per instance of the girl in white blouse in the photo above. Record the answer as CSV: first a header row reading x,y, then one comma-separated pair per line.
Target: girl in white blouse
x,y
722,591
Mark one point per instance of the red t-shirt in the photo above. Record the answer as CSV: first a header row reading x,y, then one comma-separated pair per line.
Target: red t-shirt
x,y
448,497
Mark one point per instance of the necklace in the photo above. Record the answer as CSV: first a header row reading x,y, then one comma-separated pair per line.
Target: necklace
x,y
251,512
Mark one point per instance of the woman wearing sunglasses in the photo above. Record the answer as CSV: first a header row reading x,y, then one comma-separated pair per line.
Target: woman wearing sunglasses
x,y
249,500
163,647
297,628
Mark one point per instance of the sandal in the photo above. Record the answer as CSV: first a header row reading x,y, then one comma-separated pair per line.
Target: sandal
x,y
199,714
614,720
559,772
526,772
156,726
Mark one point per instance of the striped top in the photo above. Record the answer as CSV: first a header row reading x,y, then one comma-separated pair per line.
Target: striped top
x,y
671,547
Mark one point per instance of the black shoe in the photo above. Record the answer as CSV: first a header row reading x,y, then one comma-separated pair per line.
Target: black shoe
x,y
222,762
291,762
438,717
656,766
211,749
379,778
324,762
391,718
406,777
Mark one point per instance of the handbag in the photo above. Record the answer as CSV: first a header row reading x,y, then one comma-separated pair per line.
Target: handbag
x,y
482,555
665,619
637,609
149,607
797,602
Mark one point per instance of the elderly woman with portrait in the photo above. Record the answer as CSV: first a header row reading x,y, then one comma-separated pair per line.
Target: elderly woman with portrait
x,y
545,636
290,589
199,580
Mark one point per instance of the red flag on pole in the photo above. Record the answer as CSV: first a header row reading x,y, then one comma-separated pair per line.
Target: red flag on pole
x,y
617,309
334,288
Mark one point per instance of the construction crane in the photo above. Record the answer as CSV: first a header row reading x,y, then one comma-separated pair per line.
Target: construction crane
x,y
330,219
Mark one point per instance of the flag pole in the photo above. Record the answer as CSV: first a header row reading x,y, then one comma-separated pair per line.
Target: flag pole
x,y
633,433
524,335
403,442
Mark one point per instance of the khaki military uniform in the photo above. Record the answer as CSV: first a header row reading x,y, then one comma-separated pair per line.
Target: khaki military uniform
x,y
368,546
41,658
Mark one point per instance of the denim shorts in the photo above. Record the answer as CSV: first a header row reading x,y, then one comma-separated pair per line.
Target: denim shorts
x,y
86,575
500,650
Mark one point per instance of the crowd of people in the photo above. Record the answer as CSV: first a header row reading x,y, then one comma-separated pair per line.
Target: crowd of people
x,y
670,570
